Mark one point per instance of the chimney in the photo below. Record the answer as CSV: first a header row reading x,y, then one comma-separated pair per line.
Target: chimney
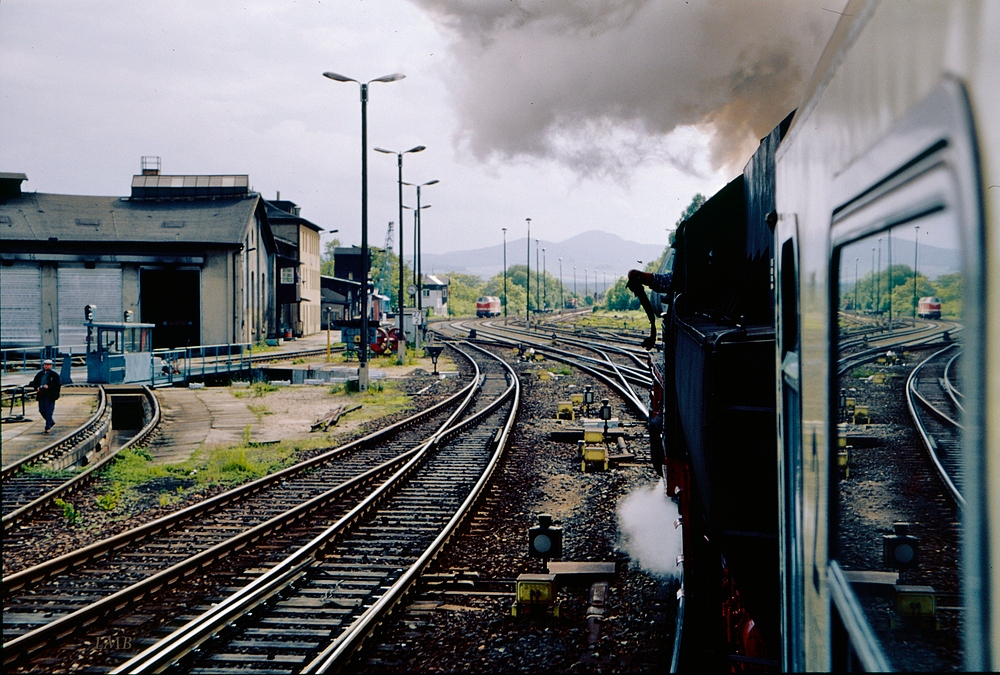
x,y
150,165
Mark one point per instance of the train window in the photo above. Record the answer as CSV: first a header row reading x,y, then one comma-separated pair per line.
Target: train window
x,y
905,330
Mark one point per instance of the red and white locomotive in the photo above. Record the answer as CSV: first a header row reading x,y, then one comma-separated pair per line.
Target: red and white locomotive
x,y
929,308
487,306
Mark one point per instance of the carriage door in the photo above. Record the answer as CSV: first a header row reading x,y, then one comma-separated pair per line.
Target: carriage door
x,y
790,442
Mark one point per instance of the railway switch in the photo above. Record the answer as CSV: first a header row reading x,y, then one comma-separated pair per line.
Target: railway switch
x,y
535,593
916,602
861,415
844,460
592,431
900,549
595,457
545,540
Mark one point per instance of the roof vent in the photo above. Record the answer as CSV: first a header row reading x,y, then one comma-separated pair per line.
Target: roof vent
x,y
10,184
189,187
150,165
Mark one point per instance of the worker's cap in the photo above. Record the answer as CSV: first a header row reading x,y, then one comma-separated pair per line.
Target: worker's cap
x,y
47,362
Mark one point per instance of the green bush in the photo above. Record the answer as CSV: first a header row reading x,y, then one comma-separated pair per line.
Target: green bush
x,y
70,513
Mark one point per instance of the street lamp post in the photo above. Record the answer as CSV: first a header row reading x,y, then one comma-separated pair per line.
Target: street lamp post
x,y
418,254
363,351
417,300
888,282
562,301
916,236
586,279
504,275
574,283
856,259
878,284
545,283
537,267
328,312
527,303
401,345
873,281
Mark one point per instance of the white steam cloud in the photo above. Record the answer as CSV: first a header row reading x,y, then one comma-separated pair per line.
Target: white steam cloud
x,y
646,525
603,85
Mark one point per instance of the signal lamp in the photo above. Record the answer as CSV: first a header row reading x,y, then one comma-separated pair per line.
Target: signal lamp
x,y
545,541
434,351
899,550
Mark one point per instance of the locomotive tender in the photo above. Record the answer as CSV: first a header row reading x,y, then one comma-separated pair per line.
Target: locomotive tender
x,y
896,146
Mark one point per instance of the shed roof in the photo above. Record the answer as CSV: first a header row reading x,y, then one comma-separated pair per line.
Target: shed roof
x,y
76,218
278,215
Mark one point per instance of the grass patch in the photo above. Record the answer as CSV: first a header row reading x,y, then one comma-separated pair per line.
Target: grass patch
x,y
259,410
632,318
133,480
42,471
862,372
70,513
562,369
255,390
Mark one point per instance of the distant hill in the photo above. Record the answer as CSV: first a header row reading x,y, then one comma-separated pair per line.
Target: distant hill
x,y
603,252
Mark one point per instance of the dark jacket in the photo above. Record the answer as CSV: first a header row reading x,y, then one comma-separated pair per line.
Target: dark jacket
x,y
51,378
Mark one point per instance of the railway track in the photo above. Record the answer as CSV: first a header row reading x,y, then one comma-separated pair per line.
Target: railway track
x,y
44,603
619,377
26,494
934,333
312,610
932,401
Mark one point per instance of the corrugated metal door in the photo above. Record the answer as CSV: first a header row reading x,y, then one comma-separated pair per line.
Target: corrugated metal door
x,y
79,287
21,305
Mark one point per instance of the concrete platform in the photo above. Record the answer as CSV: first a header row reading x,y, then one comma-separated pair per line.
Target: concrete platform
x,y
20,439
192,418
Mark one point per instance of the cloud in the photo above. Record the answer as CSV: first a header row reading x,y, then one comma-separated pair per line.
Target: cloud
x,y
601,86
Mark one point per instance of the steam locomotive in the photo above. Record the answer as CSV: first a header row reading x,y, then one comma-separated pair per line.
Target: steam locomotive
x,y
896,147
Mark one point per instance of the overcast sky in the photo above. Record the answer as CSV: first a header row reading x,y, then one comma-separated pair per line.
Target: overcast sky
x,y
601,114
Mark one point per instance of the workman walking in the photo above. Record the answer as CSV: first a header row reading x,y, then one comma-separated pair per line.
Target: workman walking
x,y
47,384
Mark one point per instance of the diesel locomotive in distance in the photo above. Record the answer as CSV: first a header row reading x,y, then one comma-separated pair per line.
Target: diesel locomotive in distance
x,y
929,308
487,306
792,561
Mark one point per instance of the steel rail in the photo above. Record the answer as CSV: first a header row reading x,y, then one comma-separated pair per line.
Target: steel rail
x,y
188,637
341,650
930,444
79,480
638,376
64,625
38,456
954,393
101,424
851,360
50,568
576,361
